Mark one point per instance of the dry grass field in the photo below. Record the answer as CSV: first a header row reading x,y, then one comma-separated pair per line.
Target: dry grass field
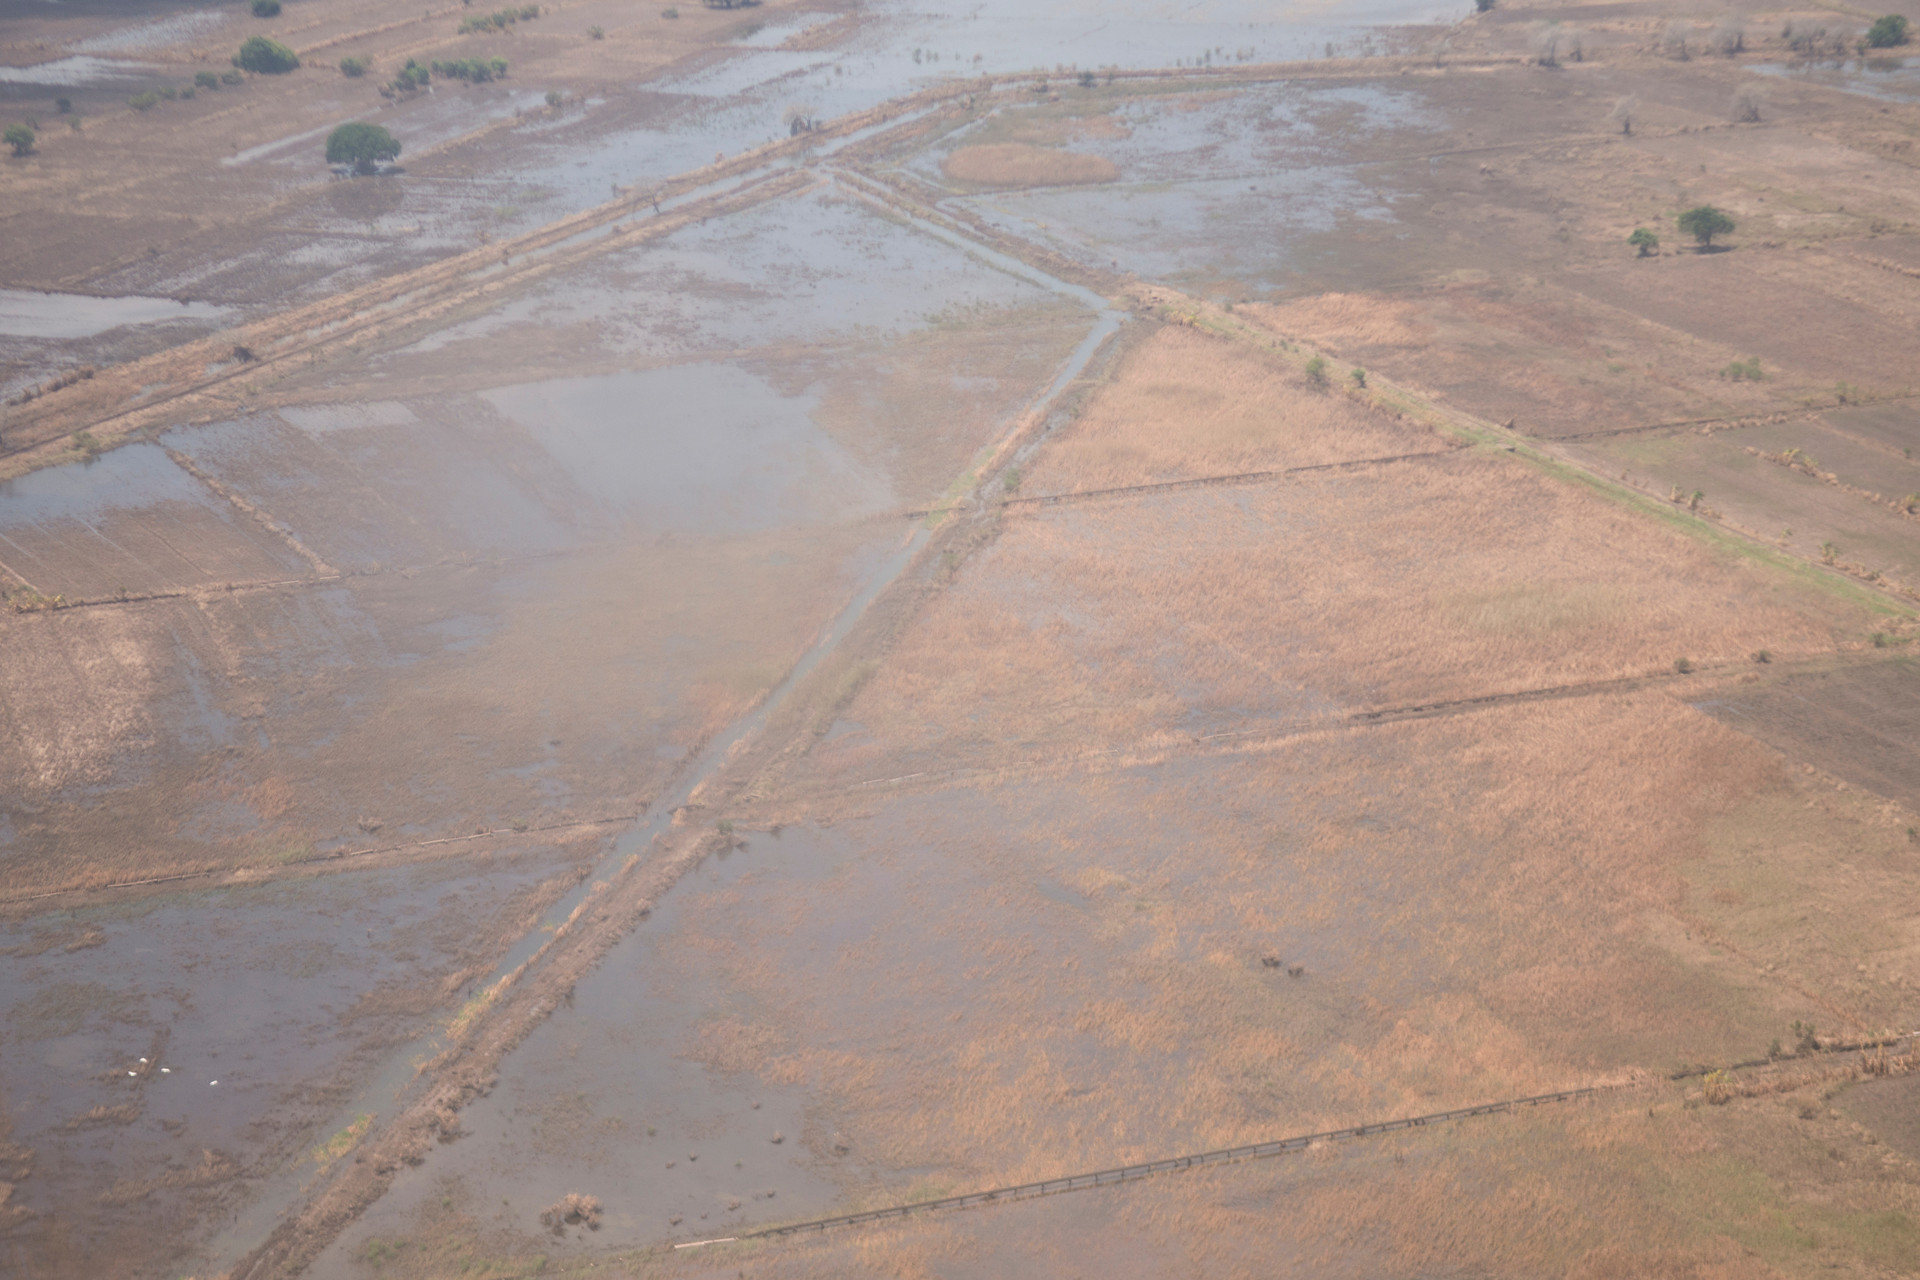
x,y
1430,656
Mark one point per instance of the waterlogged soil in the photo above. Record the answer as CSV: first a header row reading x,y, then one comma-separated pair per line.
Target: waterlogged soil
x,y
640,1091
163,1056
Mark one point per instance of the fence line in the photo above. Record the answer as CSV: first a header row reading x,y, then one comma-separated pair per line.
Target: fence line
x,y
1128,1173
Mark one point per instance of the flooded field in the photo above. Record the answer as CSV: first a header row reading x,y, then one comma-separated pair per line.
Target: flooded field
x,y
817,608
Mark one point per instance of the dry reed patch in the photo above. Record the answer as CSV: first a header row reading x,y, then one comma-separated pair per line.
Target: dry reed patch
x,y
1341,321
1020,164
1100,625
1800,878
1183,404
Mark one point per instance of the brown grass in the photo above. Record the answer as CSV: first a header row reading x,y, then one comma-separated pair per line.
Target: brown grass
x,y
1183,405
1111,622
1019,164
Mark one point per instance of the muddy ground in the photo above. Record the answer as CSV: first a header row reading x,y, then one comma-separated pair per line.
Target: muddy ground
x,y
1333,635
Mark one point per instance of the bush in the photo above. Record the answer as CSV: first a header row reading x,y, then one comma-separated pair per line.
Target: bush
x,y
1703,223
499,20
412,76
1644,240
1624,110
1745,108
1359,378
353,68
1673,41
1683,666
472,70
231,77
63,105
20,138
1728,37
206,79
143,101
1887,32
361,145
266,8
1748,369
1483,6
1317,371
266,57
555,97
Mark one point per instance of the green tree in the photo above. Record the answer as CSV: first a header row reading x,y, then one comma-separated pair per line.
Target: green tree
x,y
1704,222
267,57
1887,32
20,138
353,68
361,145
266,8
1644,240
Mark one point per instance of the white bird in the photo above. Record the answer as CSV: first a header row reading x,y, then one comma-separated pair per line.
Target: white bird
x,y
166,1071
212,1082
143,1062
132,1073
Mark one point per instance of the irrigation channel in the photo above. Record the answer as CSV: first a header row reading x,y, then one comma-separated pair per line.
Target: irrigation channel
x,y
1133,1172
387,1093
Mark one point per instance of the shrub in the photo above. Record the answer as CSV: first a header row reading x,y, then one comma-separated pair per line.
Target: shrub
x,y
1624,110
187,91
1748,369
353,68
266,57
266,8
231,77
361,145
1644,240
206,79
572,1209
1763,656
1887,32
1745,108
1673,41
472,70
413,76
1317,371
1683,666
1703,223
555,97
1543,42
1359,377
20,138
1728,37
1483,6
63,105
143,101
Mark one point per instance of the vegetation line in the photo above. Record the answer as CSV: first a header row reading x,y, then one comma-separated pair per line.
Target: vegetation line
x,y
316,858
1733,422
1132,1172
1197,482
1366,719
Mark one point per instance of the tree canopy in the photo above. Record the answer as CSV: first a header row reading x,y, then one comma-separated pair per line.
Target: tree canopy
x,y
361,145
1644,240
20,138
268,57
1704,222
1887,32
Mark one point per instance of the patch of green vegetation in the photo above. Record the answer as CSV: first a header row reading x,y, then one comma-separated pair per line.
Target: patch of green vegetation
x,y
344,1141
266,57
